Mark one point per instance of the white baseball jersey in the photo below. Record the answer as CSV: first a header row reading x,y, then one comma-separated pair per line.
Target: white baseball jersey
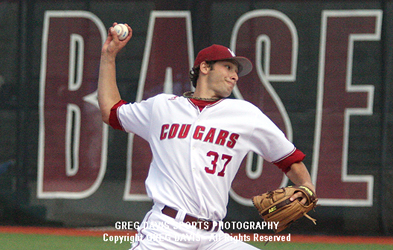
x,y
196,154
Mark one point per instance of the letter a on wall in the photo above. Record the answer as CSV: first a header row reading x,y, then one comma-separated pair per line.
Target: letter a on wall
x,y
272,34
166,62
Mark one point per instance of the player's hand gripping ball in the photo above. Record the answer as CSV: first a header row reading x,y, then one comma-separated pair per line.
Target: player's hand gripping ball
x,y
122,31
275,206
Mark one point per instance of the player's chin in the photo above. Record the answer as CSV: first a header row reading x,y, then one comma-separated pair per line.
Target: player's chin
x,y
226,95
225,92
230,91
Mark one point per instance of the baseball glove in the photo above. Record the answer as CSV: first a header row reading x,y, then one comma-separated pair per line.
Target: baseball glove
x,y
275,206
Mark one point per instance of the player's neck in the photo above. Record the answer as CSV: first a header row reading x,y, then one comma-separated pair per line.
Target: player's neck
x,y
201,104
201,97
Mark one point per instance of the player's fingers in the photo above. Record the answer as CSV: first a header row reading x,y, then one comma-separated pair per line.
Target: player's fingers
x,y
113,33
297,195
129,32
294,197
112,43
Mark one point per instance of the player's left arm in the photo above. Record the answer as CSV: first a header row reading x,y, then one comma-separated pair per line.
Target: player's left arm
x,y
299,175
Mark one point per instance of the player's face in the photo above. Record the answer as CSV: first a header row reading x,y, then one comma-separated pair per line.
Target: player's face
x,y
222,78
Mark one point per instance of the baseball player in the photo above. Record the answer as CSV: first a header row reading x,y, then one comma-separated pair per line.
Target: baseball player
x,y
198,142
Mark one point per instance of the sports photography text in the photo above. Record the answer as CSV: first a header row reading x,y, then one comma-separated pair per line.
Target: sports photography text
x,y
243,227
223,225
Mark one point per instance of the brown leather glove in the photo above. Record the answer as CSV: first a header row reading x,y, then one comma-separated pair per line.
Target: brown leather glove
x,y
275,206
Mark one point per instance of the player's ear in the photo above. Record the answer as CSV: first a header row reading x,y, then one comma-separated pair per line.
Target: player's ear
x,y
204,67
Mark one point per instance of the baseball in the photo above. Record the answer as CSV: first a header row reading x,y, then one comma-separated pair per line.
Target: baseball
x,y
122,31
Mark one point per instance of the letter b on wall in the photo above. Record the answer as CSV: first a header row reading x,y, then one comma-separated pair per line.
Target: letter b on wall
x,y
72,138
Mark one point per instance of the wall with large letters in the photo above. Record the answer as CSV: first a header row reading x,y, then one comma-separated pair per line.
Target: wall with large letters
x,y
322,72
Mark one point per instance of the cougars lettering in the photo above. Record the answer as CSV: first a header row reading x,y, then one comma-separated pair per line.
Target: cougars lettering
x,y
212,135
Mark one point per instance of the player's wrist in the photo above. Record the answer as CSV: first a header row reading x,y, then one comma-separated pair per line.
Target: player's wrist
x,y
108,58
310,186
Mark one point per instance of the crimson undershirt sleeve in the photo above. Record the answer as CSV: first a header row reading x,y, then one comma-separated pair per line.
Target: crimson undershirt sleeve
x,y
285,164
113,119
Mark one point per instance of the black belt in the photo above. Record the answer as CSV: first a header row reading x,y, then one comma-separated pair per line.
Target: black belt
x,y
202,224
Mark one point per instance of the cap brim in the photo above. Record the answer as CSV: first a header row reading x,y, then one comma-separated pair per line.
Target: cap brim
x,y
245,65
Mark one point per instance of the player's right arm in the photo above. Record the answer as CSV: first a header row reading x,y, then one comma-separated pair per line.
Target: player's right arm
x,y
108,92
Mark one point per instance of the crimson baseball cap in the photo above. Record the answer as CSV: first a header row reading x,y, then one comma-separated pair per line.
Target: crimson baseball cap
x,y
220,53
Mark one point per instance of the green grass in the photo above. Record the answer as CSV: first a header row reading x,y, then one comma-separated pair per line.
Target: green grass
x,y
54,242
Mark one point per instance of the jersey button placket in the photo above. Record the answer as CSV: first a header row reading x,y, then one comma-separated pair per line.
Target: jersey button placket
x,y
194,165
192,153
